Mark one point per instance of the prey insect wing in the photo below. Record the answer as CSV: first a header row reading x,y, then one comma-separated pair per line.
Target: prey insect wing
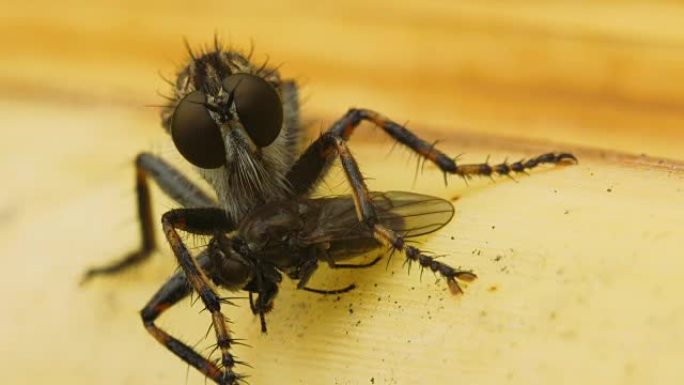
x,y
406,213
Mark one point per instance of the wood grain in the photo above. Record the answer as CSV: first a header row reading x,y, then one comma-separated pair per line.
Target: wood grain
x,y
580,266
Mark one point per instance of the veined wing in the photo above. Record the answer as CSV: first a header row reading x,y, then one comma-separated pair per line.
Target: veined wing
x,y
409,214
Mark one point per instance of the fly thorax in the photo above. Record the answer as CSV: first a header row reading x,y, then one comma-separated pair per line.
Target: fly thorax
x,y
250,180
271,226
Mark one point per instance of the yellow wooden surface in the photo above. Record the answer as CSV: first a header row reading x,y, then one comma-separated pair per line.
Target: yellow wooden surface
x,y
580,267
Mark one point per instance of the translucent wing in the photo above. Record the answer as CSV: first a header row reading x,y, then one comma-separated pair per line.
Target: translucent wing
x,y
409,214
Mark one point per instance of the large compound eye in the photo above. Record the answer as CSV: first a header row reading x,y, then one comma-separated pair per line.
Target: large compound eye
x,y
195,134
258,107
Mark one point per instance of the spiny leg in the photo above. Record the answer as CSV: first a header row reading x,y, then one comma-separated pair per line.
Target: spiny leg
x,y
396,242
174,290
316,159
175,185
367,215
200,221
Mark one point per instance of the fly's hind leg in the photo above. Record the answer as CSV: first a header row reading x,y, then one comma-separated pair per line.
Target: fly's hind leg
x,y
345,289
175,185
316,159
309,266
334,265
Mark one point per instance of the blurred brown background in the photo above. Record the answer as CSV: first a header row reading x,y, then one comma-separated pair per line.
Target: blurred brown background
x,y
580,267
598,73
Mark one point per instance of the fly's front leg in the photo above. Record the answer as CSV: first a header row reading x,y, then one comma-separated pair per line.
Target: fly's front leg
x,y
267,290
367,215
174,290
175,185
201,221
315,161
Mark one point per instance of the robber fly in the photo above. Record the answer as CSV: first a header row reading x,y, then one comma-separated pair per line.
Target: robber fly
x,y
238,124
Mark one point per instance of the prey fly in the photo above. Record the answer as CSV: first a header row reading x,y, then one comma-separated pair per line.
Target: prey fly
x,y
238,125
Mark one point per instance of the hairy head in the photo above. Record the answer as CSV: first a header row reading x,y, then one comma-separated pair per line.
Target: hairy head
x,y
226,119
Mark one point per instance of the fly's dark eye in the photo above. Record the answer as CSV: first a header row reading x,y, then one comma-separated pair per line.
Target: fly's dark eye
x,y
258,107
195,134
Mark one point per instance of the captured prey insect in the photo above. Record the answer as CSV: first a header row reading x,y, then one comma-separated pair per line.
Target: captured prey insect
x,y
238,124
